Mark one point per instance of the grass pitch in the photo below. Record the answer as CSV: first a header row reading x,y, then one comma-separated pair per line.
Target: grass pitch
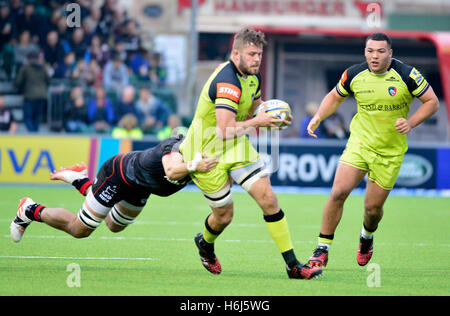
x,y
156,256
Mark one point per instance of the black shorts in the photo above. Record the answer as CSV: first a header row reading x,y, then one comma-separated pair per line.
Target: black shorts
x,y
110,186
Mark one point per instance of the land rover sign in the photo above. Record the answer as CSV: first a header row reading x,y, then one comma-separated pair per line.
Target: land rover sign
x,y
415,171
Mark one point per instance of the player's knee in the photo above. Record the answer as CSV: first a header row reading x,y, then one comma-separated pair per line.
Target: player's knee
x,y
223,215
373,210
339,195
116,221
81,232
268,201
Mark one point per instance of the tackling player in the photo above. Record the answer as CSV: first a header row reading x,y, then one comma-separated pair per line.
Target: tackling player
x,y
219,128
118,193
383,87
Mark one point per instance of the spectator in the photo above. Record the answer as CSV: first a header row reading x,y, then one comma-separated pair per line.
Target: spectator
x,y
33,81
155,112
23,48
7,122
335,126
115,74
130,37
157,71
7,25
127,103
29,21
77,43
63,33
97,50
106,21
174,126
65,70
87,75
88,24
128,128
53,50
76,116
310,109
50,25
101,112
140,65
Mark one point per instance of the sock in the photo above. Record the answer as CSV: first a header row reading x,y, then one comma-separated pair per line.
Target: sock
x,y
366,233
82,184
209,235
279,230
33,212
325,241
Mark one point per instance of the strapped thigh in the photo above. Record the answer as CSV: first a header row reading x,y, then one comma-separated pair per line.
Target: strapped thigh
x,y
221,198
246,176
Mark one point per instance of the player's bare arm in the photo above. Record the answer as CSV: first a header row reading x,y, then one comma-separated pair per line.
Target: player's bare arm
x,y
429,107
176,168
328,106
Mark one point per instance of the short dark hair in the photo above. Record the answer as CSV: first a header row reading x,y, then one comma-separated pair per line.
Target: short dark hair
x,y
380,37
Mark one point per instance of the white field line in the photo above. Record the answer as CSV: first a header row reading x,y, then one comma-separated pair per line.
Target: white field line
x,y
311,242
75,258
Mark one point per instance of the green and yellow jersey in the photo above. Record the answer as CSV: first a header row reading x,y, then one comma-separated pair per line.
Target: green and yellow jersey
x,y
224,89
381,100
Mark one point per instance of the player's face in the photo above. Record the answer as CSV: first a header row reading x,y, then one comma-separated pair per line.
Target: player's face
x,y
378,56
250,59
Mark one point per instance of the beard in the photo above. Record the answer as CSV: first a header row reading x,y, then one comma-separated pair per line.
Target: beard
x,y
247,71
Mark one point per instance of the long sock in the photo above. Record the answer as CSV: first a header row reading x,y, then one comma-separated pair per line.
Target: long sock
x,y
209,235
279,230
33,212
82,184
325,240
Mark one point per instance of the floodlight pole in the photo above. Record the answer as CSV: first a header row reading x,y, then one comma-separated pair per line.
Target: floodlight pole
x,y
194,56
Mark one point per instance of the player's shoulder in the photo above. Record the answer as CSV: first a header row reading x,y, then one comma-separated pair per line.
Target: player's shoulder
x,y
227,73
401,68
347,77
356,69
413,79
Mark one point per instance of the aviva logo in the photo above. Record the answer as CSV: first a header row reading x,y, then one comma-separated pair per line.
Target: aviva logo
x,y
31,159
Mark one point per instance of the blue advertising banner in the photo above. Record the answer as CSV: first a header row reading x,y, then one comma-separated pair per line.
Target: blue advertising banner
x,y
301,164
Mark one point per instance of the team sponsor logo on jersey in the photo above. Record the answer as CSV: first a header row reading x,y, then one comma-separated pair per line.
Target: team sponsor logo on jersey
x,y
228,91
416,76
344,77
392,91
392,78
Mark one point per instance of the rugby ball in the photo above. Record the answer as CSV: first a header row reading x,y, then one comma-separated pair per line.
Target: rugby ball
x,y
277,108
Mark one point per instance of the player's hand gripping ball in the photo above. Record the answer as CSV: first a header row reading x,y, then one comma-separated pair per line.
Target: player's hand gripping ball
x,y
278,109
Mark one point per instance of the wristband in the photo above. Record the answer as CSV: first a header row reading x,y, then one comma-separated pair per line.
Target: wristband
x,y
192,165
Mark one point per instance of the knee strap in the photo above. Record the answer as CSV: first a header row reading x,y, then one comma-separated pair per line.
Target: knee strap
x,y
119,218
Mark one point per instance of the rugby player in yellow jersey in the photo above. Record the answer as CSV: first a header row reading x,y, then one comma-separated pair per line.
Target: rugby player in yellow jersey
x,y
219,128
383,87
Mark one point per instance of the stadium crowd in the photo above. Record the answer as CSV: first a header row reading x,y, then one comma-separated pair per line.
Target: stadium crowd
x,y
107,73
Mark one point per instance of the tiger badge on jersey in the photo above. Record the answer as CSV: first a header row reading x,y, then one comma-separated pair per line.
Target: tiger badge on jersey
x,y
416,76
392,91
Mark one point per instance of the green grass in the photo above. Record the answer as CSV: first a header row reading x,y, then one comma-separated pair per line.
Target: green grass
x,y
157,255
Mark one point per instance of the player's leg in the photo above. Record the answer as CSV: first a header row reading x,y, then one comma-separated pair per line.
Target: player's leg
x,y
374,200
382,176
346,179
221,204
123,214
77,225
255,180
